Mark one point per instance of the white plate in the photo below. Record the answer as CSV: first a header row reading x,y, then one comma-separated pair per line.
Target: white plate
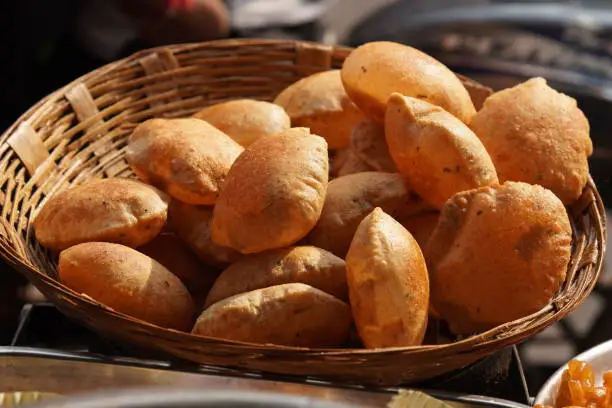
x,y
600,359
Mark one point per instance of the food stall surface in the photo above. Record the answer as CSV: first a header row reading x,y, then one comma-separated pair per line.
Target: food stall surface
x,y
50,353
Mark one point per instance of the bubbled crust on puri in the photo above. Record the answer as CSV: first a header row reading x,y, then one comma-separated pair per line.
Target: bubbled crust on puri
x,y
369,143
292,314
192,223
274,194
373,71
127,281
351,198
319,102
537,135
246,120
388,283
438,154
301,264
187,158
113,210
498,254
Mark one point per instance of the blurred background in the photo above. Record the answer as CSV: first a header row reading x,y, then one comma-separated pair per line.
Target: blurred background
x,y
497,42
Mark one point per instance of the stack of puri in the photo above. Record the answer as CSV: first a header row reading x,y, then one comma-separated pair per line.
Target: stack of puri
x,y
353,209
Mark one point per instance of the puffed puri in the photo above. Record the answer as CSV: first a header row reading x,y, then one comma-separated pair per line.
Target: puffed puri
x,y
246,120
388,283
192,224
439,155
320,103
351,198
187,158
537,135
498,254
373,71
127,281
298,264
119,210
292,314
274,193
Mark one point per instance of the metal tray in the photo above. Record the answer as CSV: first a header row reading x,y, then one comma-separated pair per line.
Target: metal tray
x,y
26,369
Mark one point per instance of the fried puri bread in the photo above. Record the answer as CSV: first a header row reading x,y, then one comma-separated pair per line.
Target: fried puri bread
x,y
351,198
319,102
274,193
293,314
438,154
192,224
246,120
300,264
388,283
171,252
537,135
373,71
498,253
188,158
369,143
127,281
117,210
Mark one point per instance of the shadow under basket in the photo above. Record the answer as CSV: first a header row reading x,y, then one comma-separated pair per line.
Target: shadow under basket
x,y
79,133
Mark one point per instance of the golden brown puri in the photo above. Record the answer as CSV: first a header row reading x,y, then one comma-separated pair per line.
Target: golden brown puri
x,y
498,254
373,71
117,210
438,154
187,158
537,135
478,92
171,252
192,224
300,264
369,144
246,120
274,193
293,314
388,283
421,225
352,164
350,198
319,102
127,281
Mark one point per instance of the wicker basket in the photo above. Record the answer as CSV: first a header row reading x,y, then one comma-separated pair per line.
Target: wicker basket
x,y
79,133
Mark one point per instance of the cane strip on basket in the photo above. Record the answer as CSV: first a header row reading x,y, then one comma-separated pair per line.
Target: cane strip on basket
x,y
314,56
156,63
79,132
28,146
95,131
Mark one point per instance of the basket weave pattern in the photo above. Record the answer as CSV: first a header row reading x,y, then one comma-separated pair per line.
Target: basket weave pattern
x,y
79,133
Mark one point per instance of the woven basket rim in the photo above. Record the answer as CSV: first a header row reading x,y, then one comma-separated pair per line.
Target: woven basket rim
x,y
493,338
